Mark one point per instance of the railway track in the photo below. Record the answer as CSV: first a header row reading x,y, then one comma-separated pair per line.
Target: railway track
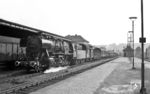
x,y
17,77
11,73
19,84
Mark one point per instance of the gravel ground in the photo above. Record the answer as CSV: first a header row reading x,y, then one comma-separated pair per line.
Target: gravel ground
x,y
124,80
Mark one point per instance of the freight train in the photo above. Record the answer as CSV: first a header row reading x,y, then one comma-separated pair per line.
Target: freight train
x,y
44,51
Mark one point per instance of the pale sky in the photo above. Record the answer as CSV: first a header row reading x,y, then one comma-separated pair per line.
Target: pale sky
x,y
99,21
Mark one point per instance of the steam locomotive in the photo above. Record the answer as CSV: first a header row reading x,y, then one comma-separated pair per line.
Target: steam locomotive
x,y
45,51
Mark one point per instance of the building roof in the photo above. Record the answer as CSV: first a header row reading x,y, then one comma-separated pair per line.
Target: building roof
x,y
128,48
77,38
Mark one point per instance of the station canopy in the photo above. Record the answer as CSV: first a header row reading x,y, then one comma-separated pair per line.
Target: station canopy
x,y
12,29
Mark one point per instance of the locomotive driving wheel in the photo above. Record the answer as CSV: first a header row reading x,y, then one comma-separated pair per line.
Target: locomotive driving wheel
x,y
38,69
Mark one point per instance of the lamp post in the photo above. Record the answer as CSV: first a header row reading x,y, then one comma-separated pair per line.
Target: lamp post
x,y
133,19
142,41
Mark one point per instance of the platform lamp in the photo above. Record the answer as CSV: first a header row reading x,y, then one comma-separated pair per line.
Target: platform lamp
x,y
133,19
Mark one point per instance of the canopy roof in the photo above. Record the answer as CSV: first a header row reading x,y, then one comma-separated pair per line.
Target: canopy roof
x,y
12,29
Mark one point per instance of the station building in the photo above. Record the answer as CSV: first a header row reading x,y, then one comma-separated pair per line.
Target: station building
x,y
77,38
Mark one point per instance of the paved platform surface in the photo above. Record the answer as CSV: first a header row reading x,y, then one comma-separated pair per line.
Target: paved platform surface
x,y
125,80
115,77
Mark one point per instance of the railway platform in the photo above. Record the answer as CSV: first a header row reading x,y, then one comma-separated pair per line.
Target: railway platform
x,y
114,77
125,80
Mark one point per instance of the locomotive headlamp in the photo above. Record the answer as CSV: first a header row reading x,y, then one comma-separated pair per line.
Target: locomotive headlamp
x,y
51,59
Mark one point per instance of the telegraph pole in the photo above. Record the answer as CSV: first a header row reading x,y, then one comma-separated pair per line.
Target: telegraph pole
x,y
142,41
